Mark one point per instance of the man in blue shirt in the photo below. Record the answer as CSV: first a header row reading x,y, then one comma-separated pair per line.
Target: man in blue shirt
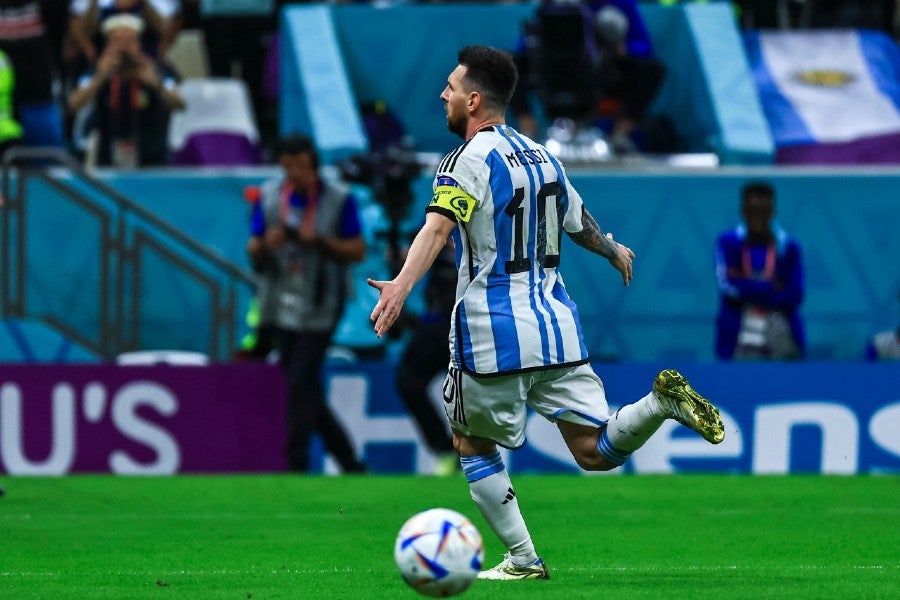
x,y
760,277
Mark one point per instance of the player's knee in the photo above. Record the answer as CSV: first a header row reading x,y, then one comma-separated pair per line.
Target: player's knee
x,y
469,446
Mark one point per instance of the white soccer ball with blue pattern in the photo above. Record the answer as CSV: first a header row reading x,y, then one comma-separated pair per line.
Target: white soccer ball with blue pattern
x,y
439,552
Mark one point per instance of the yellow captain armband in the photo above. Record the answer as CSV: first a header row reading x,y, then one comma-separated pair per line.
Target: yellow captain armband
x,y
455,200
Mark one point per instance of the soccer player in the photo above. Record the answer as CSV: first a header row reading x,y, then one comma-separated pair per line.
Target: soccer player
x,y
516,339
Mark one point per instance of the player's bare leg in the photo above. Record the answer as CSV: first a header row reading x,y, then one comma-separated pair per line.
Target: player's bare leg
x,y
629,428
492,491
582,442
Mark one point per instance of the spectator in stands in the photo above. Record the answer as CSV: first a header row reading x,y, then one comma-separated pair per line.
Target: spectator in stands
x,y
162,18
619,53
760,275
305,232
132,98
885,345
23,37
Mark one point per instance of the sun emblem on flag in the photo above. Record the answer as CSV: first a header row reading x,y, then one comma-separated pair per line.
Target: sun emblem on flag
x,y
825,77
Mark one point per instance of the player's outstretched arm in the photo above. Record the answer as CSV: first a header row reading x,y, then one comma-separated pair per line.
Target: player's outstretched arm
x,y
592,238
422,253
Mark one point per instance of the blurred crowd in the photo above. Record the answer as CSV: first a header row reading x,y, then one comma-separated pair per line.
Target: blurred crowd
x,y
611,113
101,77
881,15
74,68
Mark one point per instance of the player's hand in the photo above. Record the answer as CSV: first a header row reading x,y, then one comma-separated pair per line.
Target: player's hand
x,y
389,307
622,260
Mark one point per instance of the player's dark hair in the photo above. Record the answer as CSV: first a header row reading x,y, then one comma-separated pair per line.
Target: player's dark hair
x,y
491,72
298,143
757,188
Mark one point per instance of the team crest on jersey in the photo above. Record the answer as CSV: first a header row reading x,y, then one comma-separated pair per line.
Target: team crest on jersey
x,y
454,199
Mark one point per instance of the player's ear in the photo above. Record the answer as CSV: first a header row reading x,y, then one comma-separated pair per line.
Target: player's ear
x,y
474,100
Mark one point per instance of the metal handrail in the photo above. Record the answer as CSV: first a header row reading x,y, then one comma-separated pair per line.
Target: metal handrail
x,y
67,160
113,338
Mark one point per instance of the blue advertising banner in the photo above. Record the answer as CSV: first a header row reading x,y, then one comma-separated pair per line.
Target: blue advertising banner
x,y
835,418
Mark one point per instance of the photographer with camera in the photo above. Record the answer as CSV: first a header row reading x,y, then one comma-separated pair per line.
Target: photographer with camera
x,y
132,98
305,232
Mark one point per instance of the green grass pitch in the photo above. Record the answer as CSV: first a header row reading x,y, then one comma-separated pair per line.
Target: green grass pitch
x,y
282,536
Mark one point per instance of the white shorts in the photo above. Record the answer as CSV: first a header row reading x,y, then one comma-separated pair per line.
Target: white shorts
x,y
495,407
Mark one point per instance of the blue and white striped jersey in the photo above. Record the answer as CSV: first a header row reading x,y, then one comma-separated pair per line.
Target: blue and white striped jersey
x,y
512,311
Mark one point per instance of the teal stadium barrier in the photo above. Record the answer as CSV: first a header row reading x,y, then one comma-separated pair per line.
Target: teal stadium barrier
x,y
846,222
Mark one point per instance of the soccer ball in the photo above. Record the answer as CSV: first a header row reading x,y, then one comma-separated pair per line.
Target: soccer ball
x,y
439,552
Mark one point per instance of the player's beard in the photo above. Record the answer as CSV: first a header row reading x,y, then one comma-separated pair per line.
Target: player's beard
x,y
457,125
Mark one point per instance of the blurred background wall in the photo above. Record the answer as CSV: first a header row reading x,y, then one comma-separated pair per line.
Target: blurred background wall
x,y
100,263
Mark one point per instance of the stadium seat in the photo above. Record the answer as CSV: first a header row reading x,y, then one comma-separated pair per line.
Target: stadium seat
x,y
188,54
217,127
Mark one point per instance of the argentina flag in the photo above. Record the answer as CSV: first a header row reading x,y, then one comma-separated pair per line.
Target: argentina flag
x,y
830,96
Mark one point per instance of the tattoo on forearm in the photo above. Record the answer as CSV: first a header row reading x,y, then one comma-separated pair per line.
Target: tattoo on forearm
x,y
591,238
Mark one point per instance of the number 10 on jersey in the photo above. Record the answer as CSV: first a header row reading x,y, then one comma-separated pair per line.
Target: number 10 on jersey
x,y
547,230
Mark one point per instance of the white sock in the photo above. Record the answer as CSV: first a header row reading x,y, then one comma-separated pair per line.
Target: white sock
x,y
492,491
633,424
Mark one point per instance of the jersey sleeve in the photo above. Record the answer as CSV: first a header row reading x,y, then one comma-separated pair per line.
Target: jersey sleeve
x,y
574,209
459,185
451,200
